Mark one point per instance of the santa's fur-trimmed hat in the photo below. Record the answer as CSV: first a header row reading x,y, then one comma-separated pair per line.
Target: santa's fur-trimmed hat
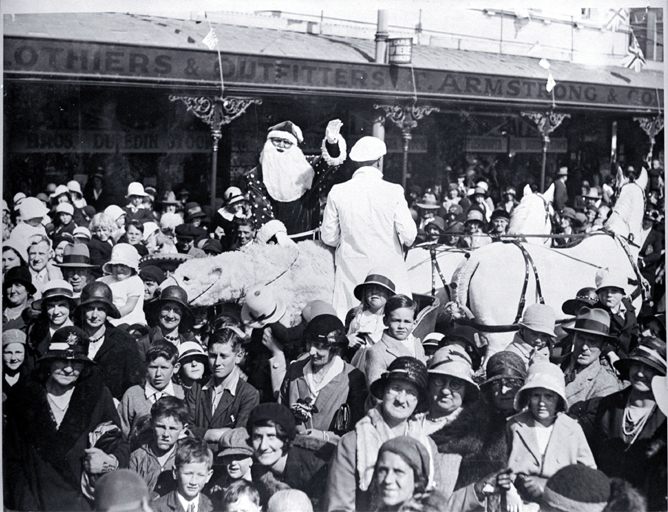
x,y
286,129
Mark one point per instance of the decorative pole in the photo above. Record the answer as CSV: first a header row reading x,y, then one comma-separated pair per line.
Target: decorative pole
x,y
651,126
216,112
405,117
546,122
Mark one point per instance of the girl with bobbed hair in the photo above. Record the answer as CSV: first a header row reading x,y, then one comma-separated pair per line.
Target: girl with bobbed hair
x,y
102,227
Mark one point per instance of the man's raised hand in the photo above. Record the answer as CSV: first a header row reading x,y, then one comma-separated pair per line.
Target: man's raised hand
x,y
332,131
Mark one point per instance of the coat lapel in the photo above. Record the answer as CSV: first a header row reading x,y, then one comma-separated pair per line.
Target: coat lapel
x,y
224,404
528,437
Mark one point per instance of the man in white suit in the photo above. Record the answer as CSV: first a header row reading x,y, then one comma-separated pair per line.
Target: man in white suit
x,y
367,219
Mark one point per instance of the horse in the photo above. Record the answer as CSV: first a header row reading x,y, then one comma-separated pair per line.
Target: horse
x,y
531,216
489,283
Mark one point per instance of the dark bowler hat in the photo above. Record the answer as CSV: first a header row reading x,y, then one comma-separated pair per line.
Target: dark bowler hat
x,y
152,273
592,321
193,211
650,351
97,292
325,329
76,256
376,278
278,413
187,231
177,295
500,213
21,275
404,368
55,289
586,297
69,343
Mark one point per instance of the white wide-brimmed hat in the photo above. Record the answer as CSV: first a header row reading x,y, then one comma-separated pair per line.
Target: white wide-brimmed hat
x,y
123,254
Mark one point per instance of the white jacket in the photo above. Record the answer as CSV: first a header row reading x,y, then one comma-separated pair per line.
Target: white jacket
x,y
367,219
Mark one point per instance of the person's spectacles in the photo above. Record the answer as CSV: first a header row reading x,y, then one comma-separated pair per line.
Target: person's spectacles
x,y
507,383
281,143
453,383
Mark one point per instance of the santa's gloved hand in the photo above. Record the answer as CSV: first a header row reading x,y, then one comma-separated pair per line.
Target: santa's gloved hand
x,y
332,131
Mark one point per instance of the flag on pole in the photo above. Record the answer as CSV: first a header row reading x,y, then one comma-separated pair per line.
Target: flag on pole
x,y
211,41
550,83
619,16
635,59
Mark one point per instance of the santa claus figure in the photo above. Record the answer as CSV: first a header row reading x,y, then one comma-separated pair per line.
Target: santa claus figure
x,y
287,184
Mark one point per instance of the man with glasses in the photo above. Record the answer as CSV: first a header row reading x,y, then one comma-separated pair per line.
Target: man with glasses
x,y
287,184
586,376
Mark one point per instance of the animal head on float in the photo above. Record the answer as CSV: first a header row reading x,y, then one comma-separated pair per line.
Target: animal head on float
x,y
533,214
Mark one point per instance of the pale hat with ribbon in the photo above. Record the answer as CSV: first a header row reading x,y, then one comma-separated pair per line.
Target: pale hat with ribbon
x,y
32,208
368,149
546,375
191,349
611,277
428,202
136,189
65,208
261,308
539,318
452,360
123,254
233,195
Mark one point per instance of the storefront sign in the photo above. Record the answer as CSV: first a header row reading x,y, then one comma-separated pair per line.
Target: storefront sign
x,y
517,145
89,141
73,59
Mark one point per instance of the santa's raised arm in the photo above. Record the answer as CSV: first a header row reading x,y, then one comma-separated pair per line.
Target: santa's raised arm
x,y
286,185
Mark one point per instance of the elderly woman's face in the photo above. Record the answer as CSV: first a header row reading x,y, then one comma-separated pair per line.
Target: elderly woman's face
x,y
64,372
503,393
400,400
16,294
57,312
95,314
395,479
446,394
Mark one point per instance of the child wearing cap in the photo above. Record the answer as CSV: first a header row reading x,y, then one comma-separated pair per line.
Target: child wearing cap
x,y
192,471
536,334
542,438
64,224
236,457
154,460
127,287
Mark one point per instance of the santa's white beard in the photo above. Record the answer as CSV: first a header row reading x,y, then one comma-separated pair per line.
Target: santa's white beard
x,y
287,175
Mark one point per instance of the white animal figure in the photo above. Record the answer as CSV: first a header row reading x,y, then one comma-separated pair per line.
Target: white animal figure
x,y
532,216
490,282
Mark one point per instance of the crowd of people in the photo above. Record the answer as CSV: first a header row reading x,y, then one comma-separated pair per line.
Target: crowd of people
x,y
120,395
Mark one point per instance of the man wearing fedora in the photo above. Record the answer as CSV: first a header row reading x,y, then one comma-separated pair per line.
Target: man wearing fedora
x,y
586,377
76,267
560,192
286,185
368,221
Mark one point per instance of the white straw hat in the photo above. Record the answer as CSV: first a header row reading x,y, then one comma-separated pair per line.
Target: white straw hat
x,y
123,254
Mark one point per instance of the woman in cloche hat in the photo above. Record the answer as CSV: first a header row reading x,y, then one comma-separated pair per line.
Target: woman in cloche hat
x,y
628,434
46,449
402,392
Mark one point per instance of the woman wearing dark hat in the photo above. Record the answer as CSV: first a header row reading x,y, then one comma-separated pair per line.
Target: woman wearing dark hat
x,y
17,292
402,391
49,423
586,376
171,318
628,437
401,477
115,351
478,433
55,307
325,394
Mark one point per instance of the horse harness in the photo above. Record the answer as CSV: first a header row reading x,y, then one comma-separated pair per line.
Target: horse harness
x,y
528,262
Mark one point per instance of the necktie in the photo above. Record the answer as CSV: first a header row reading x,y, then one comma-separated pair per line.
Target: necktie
x,y
191,507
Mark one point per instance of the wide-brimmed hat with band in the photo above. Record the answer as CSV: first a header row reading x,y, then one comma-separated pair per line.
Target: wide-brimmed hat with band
x,y
592,321
261,308
650,351
585,297
375,277
99,293
407,369
76,256
69,343
55,289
